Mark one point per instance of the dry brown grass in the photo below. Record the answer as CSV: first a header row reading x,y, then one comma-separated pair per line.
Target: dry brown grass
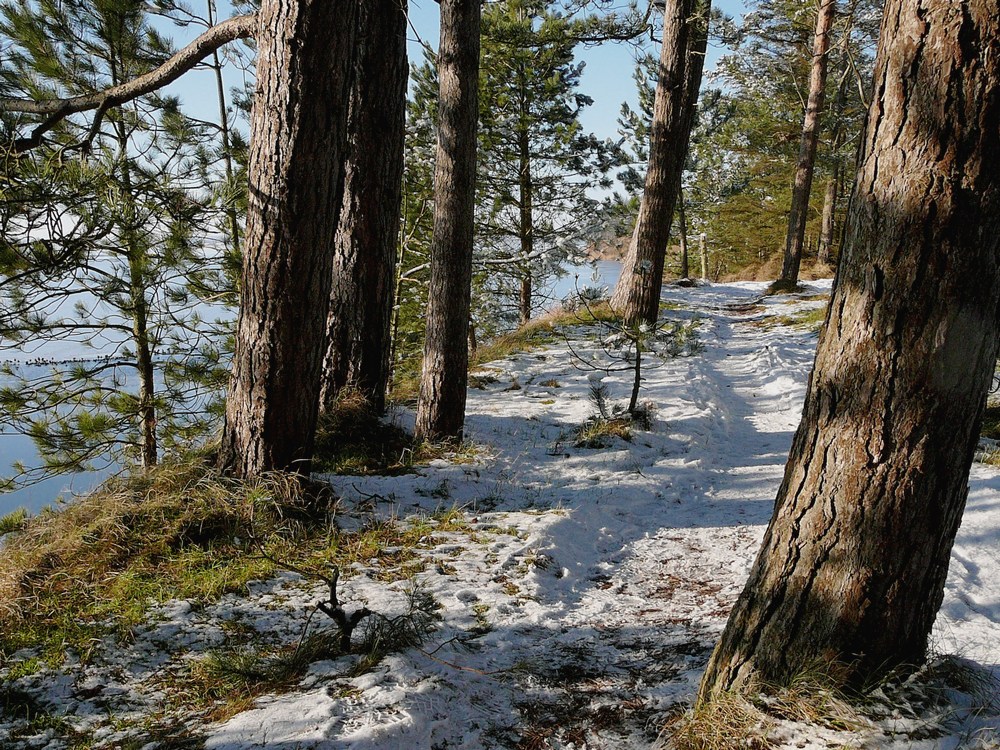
x,y
729,722
93,566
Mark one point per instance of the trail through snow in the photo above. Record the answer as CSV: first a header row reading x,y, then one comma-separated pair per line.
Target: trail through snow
x,y
579,609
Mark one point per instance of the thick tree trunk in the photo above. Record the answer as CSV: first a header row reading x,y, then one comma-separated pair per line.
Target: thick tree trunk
x,y
853,565
444,379
682,55
361,298
297,135
802,186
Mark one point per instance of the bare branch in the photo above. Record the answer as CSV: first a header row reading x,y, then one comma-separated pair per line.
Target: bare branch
x,y
56,110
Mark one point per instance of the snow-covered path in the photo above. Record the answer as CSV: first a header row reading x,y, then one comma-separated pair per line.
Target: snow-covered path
x,y
580,604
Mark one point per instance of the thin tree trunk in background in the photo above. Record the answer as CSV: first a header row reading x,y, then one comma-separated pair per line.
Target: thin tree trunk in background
x,y
138,303
703,248
682,55
227,151
682,229
853,565
298,130
359,321
799,212
445,374
526,228
823,253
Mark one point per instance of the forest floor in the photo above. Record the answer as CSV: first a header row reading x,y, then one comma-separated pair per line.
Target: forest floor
x,y
576,592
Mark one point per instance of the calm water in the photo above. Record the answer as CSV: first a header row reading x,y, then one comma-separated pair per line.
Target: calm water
x,y
20,448
603,273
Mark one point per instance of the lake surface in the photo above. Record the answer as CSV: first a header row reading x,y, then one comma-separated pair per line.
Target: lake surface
x,y
602,273
37,496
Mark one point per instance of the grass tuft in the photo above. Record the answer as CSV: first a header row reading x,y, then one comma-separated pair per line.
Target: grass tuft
x,y
94,566
728,722
601,432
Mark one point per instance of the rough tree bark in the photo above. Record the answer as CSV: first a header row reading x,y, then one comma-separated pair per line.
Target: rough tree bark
x,y
297,136
853,564
361,298
682,55
802,186
444,379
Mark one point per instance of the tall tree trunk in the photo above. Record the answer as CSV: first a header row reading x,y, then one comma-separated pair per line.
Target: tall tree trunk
x,y
682,55
703,250
360,316
682,232
525,229
853,564
444,378
802,186
297,135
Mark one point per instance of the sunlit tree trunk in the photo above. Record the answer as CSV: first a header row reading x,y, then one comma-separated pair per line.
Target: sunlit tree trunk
x,y
853,565
682,233
444,378
362,292
682,56
823,252
298,130
799,212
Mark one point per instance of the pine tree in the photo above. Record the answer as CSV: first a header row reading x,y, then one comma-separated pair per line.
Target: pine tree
x,y
106,253
852,568
536,163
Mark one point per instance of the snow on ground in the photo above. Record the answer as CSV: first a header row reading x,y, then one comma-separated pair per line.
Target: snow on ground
x,y
580,603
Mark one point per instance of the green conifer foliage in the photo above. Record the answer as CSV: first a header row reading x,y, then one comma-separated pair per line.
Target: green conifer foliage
x,y
106,258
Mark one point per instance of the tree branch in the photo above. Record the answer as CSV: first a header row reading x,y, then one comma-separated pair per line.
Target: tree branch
x,y
57,110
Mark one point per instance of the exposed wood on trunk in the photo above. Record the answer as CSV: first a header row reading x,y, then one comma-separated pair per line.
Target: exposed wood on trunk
x,y
853,565
444,378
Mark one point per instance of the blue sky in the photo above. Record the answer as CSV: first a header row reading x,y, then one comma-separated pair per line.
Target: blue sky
x,y
607,77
